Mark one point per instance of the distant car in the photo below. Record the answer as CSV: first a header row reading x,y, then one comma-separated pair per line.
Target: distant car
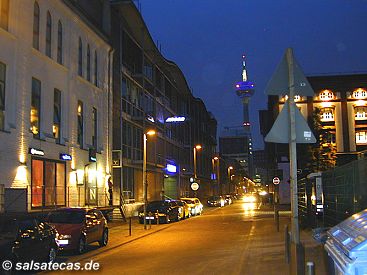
x,y
23,239
163,211
250,198
215,201
194,204
229,199
79,227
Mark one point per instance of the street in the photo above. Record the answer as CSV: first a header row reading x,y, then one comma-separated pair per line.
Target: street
x,y
235,239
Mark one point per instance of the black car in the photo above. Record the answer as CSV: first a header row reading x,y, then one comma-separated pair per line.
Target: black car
x,y
163,211
215,201
24,238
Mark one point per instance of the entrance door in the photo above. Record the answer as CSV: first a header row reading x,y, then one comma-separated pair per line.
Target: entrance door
x,y
91,192
170,187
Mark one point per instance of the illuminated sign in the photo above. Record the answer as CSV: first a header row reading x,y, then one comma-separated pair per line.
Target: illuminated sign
x,y
194,186
65,157
171,168
92,155
176,119
37,152
150,118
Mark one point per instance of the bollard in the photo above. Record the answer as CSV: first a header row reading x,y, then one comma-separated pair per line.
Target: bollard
x,y
310,268
286,244
157,217
277,219
130,226
150,220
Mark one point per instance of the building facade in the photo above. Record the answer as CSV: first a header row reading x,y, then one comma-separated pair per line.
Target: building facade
x,y
148,90
55,93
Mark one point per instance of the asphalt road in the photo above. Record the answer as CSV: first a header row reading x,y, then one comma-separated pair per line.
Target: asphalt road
x,y
228,240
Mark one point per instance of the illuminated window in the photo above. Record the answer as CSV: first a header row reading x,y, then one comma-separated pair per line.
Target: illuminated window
x,y
326,95
36,26
361,137
57,115
4,14
360,112
327,114
80,123
360,93
2,95
48,34
59,43
35,108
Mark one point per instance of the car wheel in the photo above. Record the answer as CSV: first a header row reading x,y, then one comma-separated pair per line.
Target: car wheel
x,y
51,256
104,239
81,246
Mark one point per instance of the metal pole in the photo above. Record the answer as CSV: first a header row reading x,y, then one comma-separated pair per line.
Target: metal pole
x,y
218,178
195,163
293,150
144,178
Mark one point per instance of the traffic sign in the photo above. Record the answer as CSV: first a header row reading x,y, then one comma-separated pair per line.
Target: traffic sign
x,y
194,186
276,180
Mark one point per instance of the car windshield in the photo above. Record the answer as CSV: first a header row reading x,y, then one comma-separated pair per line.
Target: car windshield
x,y
214,198
70,217
157,205
189,201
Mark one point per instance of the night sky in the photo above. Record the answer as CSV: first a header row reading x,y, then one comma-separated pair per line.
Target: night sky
x,y
206,39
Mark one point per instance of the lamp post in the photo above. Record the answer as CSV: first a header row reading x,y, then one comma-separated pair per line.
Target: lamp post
x,y
197,147
229,177
145,185
214,160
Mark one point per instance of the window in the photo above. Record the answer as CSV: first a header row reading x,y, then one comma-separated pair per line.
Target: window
x,y
88,63
59,43
326,95
36,26
360,113
35,108
360,93
48,183
95,69
48,34
361,137
4,14
80,58
327,114
57,115
2,95
80,123
95,128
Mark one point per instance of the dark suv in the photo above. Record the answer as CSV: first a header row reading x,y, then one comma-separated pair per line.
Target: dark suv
x,y
161,212
25,238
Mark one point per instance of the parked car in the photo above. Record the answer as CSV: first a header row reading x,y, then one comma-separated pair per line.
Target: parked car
x,y
163,211
215,201
185,208
79,227
25,238
194,204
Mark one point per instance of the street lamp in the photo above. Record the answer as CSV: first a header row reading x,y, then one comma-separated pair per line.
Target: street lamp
x,y
145,185
197,147
229,177
217,172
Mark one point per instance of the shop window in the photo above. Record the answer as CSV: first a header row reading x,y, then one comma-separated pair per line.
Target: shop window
x,y
360,93
59,43
35,108
4,14
56,128
327,114
2,95
360,113
36,26
326,95
48,183
80,123
361,137
48,34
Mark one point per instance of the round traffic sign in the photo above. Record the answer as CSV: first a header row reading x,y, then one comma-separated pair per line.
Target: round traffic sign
x,y
276,180
194,186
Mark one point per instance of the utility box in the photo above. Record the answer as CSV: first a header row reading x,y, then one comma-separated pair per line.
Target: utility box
x,y
347,245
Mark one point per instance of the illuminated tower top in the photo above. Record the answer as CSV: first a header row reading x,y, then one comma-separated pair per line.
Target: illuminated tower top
x,y
244,88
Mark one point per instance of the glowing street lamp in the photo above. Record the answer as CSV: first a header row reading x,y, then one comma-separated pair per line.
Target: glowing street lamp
x,y
229,177
145,185
197,147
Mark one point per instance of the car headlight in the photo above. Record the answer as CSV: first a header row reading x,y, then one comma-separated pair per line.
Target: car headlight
x,y
64,237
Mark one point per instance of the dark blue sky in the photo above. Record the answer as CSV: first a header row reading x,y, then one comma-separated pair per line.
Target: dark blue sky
x,y
207,38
